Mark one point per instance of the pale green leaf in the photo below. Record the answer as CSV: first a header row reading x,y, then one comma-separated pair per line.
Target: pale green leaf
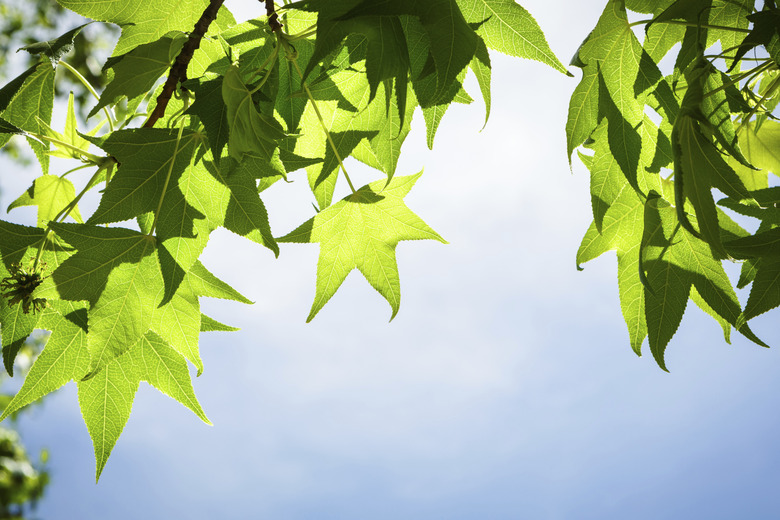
x,y
361,232
51,194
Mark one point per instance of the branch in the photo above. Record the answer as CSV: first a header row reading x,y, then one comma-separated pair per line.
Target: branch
x,y
179,68
273,18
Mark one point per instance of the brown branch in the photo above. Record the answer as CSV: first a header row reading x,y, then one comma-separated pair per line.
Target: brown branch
x,y
178,71
273,18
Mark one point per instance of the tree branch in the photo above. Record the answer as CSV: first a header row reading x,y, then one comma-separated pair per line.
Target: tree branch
x,y
178,71
273,18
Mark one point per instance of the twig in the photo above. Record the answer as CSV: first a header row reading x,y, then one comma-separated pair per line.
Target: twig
x,y
178,71
273,18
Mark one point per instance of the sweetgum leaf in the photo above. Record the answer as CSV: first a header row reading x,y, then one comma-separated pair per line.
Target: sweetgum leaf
x,y
480,65
697,185
452,40
211,325
18,247
70,136
765,293
106,401
761,146
56,48
136,72
16,328
145,22
197,196
361,232
51,194
117,272
212,112
508,28
203,283
250,130
107,398
178,324
675,261
64,358
29,106
583,110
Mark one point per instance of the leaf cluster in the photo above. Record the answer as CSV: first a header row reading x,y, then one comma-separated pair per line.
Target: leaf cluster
x,y
243,107
679,157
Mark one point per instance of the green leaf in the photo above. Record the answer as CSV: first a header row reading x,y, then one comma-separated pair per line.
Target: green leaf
x,y
185,189
16,328
30,107
763,243
361,232
453,42
64,358
667,287
178,324
56,48
508,28
117,272
704,306
480,65
211,325
212,112
107,398
162,367
765,293
106,401
387,56
70,136
696,173
142,21
18,248
203,283
51,194
250,131
583,110
761,147
241,210
136,72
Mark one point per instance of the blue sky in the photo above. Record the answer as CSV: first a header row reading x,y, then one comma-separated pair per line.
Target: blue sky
x,y
505,387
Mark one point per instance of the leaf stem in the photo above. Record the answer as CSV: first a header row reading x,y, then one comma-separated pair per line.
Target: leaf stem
x,y
770,91
77,168
89,87
45,138
268,62
167,179
291,56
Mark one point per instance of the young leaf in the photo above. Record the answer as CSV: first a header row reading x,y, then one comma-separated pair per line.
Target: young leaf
x,y
51,194
361,232
250,131
56,48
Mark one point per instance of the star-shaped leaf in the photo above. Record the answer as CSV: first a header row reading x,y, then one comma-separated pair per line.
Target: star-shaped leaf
x,y
117,272
107,398
361,232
